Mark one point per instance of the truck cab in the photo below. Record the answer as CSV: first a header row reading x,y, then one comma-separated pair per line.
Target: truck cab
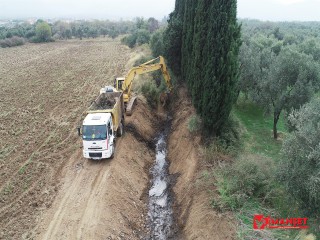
x,y
98,136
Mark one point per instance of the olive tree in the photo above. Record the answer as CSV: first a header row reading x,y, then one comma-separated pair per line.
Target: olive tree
x,y
292,81
278,82
300,167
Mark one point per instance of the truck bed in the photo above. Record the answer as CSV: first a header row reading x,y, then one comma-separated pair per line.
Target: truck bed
x,y
105,101
109,102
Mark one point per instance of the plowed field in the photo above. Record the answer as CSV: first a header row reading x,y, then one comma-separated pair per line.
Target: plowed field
x,y
44,88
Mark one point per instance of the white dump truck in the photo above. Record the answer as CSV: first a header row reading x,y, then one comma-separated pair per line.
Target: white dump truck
x,y
104,121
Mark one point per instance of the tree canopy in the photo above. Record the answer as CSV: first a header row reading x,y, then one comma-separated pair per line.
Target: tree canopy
x,y
278,70
202,44
300,169
43,32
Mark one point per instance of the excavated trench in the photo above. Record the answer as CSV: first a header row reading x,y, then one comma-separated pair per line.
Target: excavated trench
x,y
160,220
160,213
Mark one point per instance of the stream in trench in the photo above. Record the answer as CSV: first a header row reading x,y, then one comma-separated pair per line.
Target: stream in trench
x,y
160,214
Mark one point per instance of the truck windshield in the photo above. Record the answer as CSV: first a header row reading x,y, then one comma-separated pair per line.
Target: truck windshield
x,y
96,132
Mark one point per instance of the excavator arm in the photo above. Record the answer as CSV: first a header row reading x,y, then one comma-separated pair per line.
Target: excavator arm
x,y
146,67
125,84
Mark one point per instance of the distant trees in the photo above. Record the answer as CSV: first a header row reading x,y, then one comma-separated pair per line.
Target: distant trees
x,y
65,30
300,168
153,25
203,40
277,73
62,30
43,32
142,33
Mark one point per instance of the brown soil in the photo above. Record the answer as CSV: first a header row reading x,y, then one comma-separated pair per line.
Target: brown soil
x,y
101,199
47,188
194,215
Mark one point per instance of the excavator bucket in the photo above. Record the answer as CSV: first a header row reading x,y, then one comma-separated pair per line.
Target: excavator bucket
x,y
130,105
164,97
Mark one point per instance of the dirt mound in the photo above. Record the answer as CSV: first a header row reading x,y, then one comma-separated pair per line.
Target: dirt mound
x,y
195,217
144,123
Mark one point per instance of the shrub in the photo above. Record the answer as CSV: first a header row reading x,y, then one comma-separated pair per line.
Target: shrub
x,y
139,37
151,93
229,137
129,40
215,153
194,124
249,176
12,42
143,36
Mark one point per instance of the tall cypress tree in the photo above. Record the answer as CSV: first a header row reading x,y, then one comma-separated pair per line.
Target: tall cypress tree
x,y
196,76
187,37
173,37
221,68
209,41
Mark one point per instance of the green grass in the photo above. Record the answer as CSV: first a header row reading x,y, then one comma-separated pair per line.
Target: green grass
x,y
258,135
257,138
245,221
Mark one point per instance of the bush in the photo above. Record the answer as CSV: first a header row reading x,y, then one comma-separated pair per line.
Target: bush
x,y
230,135
139,37
143,36
12,42
249,176
35,39
151,93
194,124
130,40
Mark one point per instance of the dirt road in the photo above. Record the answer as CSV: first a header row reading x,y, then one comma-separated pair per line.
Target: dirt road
x,y
101,199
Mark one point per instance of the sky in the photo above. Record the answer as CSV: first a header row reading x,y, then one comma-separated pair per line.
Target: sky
x,y
273,10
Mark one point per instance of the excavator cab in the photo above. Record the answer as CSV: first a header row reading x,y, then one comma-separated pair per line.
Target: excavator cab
x,y
118,82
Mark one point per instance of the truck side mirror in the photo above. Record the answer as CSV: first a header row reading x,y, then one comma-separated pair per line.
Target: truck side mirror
x,y
79,132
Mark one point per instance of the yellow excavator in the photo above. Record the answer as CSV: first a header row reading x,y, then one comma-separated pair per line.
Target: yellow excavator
x,y
124,84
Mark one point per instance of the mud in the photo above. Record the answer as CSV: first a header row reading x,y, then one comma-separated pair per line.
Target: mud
x,y
160,214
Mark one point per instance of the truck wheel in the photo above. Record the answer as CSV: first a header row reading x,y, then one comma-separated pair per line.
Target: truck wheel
x,y
112,154
120,129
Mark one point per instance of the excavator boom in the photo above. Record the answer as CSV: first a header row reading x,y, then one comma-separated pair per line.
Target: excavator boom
x,y
125,84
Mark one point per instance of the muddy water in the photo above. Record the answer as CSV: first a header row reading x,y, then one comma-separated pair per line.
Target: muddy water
x,y
160,201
